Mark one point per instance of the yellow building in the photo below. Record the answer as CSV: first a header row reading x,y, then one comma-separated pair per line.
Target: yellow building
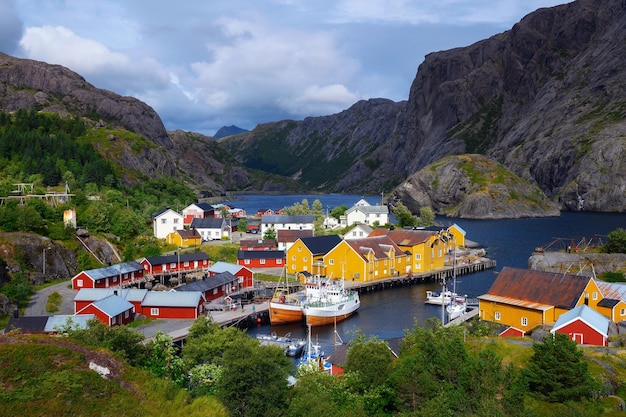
x,y
308,252
527,299
425,250
366,259
184,238
458,235
612,305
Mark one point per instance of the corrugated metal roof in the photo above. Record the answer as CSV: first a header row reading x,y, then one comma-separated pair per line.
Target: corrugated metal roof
x,y
283,235
320,245
380,245
172,299
209,283
208,223
284,219
613,290
404,237
220,266
92,294
112,305
114,270
588,315
55,323
172,259
515,302
554,289
260,254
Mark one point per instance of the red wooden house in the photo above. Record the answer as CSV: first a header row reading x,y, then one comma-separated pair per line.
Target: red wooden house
x,y
511,331
172,264
212,287
265,212
244,275
173,305
261,258
584,326
118,275
112,310
197,211
86,296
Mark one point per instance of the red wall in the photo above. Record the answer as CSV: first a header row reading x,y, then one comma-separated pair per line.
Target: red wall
x,y
590,335
174,312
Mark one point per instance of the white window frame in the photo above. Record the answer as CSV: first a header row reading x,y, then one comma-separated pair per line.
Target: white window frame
x,y
154,311
496,315
524,321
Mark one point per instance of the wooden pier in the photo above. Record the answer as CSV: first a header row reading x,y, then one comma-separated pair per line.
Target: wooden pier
x,y
431,276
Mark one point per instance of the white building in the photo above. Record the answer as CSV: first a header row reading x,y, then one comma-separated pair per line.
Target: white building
x,y
364,213
286,222
165,222
360,231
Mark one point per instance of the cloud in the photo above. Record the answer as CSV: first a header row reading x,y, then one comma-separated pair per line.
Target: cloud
x,y
93,60
11,27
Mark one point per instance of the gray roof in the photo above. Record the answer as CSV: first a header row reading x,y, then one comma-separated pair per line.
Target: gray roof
x,y
320,245
369,209
172,299
112,305
260,254
208,223
55,323
114,270
172,259
208,283
284,219
92,294
226,267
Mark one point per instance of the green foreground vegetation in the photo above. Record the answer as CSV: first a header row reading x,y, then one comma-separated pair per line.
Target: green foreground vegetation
x,y
222,371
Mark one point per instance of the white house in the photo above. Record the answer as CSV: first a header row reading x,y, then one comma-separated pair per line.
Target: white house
x,y
286,222
359,231
364,213
165,222
197,211
211,228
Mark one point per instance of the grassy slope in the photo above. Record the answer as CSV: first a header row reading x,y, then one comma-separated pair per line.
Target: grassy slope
x,y
44,376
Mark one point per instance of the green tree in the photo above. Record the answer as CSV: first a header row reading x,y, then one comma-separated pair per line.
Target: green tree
x,y
120,339
404,216
370,359
242,225
557,371
270,234
616,241
19,289
163,360
339,211
427,217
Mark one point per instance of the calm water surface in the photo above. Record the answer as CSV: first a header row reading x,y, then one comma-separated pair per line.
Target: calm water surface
x,y
386,314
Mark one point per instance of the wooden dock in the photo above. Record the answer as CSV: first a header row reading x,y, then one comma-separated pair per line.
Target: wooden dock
x,y
431,276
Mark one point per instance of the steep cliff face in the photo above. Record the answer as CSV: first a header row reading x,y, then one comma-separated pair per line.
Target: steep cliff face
x,y
545,98
472,186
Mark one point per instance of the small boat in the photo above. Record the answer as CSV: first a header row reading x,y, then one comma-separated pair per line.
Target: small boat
x,y
295,348
457,305
444,297
314,356
292,346
327,301
285,306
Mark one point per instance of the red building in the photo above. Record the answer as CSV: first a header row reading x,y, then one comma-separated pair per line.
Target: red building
x,y
584,325
197,211
118,275
173,305
173,264
257,244
86,296
261,258
112,310
244,275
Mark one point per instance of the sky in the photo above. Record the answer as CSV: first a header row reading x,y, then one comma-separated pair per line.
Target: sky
x,y
206,64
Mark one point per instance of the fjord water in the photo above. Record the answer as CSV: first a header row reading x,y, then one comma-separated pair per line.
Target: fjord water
x,y
386,314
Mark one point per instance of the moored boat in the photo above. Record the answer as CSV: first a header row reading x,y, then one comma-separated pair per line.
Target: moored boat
x,y
284,306
328,301
444,297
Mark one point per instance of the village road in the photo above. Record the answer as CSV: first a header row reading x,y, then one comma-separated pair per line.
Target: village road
x,y
37,304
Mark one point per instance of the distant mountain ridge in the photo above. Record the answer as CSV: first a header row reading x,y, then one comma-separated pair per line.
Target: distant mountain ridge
x,y
225,131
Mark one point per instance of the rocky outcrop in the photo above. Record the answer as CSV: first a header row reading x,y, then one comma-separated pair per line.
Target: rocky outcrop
x,y
472,186
582,263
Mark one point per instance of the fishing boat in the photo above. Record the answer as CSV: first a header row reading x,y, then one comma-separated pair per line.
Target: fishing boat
x,y
295,348
285,306
327,301
314,356
292,346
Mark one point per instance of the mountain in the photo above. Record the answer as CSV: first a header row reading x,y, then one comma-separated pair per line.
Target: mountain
x,y
545,99
224,131
134,137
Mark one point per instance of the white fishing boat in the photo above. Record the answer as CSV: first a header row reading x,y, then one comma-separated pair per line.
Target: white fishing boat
x,y
457,305
327,301
444,297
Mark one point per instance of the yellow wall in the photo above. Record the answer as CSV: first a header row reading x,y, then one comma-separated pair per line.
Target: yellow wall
x,y
175,239
358,268
299,258
513,315
423,257
459,237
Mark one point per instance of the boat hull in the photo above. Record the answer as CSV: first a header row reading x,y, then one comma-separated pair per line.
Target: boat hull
x,y
321,316
281,313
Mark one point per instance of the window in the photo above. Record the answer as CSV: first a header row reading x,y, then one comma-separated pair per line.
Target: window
x,y
331,262
246,261
418,256
127,313
524,321
408,259
163,221
305,259
496,315
154,311
299,248
186,264
293,266
262,261
113,320
594,295
622,312
293,257
79,283
279,261
176,221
